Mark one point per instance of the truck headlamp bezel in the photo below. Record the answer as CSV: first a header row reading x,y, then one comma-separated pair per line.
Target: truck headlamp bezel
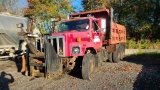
x,y
75,50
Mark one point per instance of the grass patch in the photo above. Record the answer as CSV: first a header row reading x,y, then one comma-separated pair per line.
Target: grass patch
x,y
142,44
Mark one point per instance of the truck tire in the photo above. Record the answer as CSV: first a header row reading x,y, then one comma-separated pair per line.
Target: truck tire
x,y
110,57
122,52
88,65
96,61
105,55
116,56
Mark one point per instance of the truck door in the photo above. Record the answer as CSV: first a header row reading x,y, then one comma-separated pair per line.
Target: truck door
x,y
97,34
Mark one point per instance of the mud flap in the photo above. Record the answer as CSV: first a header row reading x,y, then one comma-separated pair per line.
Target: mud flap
x,y
52,61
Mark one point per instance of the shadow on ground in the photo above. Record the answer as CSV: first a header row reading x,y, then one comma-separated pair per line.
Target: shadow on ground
x,y
5,80
18,62
76,72
9,63
149,77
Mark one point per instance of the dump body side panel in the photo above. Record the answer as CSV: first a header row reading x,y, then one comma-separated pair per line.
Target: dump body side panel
x,y
118,34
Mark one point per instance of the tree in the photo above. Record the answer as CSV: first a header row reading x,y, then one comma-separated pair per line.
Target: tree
x,y
10,6
48,8
141,18
93,4
44,10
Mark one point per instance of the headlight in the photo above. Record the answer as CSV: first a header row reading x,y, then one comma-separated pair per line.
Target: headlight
x,y
75,50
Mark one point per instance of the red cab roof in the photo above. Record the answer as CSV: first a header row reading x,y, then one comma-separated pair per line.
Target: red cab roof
x,y
90,12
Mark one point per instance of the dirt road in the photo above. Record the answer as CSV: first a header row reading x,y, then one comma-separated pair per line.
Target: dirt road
x,y
132,73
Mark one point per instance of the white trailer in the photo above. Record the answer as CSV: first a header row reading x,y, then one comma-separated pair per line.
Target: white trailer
x,y
9,40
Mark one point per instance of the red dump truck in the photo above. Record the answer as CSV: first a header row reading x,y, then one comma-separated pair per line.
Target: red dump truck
x,y
85,39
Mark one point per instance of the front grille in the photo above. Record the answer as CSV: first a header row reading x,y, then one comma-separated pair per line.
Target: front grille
x,y
58,44
39,44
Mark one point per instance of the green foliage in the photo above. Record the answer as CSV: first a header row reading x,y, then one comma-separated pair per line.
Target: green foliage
x,y
42,30
45,9
156,45
132,44
138,18
93,4
142,44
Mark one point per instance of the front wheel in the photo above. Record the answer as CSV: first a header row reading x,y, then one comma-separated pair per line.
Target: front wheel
x,y
88,65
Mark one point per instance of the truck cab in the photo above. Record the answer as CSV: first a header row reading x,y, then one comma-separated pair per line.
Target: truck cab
x,y
78,34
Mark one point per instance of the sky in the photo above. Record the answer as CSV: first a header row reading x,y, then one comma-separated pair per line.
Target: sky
x,y
75,3
22,3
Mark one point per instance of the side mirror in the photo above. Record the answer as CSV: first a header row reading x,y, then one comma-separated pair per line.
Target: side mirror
x,y
56,19
20,25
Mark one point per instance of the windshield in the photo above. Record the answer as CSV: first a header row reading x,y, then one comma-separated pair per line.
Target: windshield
x,y
78,25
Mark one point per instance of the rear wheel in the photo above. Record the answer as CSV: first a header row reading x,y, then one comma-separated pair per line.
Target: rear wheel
x,y
122,52
110,57
88,65
98,59
105,55
116,55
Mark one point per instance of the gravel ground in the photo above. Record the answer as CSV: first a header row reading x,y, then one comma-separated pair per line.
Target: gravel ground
x,y
132,73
